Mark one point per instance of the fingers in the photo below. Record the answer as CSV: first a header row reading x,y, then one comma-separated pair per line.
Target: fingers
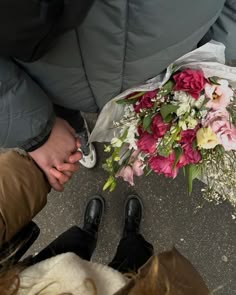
x,y
69,174
68,167
55,183
71,129
78,144
61,177
74,158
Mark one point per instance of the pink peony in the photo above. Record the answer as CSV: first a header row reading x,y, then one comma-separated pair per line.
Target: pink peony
x,y
162,165
189,156
191,81
127,174
146,101
219,95
159,127
219,122
147,143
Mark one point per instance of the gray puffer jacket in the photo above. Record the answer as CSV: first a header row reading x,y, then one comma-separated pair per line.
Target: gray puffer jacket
x,y
120,43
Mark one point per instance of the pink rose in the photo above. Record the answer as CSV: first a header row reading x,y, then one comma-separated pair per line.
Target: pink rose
x,y
146,101
127,174
162,165
159,127
219,122
190,156
147,143
219,94
191,81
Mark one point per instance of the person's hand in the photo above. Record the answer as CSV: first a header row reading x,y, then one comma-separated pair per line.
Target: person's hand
x,y
58,157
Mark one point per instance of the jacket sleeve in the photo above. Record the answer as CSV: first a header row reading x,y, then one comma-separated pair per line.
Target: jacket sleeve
x,y
23,193
26,113
224,30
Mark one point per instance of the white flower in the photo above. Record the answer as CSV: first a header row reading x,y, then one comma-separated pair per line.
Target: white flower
x,y
191,122
203,113
116,142
184,101
182,124
199,102
183,97
130,138
183,109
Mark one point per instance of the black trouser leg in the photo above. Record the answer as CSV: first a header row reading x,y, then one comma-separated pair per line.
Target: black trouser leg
x,y
73,117
133,251
73,240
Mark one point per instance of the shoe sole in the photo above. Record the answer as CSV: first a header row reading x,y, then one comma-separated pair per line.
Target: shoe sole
x,y
95,162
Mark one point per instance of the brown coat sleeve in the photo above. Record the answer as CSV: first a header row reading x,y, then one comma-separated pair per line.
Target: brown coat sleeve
x,y
23,193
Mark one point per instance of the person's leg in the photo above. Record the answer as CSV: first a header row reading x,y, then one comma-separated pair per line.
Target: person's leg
x,y
74,240
133,250
73,117
79,241
61,74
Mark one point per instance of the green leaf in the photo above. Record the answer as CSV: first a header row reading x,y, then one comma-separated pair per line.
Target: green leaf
x,y
137,95
109,183
168,118
147,122
213,80
126,101
192,172
167,110
113,186
131,100
178,153
167,88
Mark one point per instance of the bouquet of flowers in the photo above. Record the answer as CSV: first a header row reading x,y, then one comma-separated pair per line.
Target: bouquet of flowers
x,y
188,122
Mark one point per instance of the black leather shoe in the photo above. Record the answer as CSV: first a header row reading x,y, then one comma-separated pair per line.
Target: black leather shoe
x,y
93,214
133,215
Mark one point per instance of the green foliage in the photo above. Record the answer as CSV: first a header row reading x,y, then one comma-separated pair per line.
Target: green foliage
x,y
167,111
147,121
214,79
167,88
178,153
130,100
192,171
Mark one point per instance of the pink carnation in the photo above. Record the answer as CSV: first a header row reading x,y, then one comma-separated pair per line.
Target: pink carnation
x,y
219,95
146,101
189,156
219,122
164,165
188,136
159,127
191,81
147,143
